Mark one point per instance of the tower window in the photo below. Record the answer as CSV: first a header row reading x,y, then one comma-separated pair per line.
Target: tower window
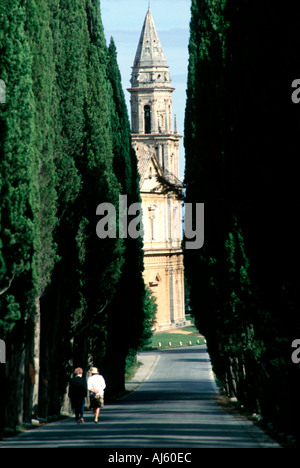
x,y
147,119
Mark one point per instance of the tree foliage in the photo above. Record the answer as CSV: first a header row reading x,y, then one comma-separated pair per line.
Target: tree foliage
x,y
66,295
240,140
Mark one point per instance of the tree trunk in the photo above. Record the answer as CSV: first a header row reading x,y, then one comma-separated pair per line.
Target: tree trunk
x,y
32,364
15,371
36,359
114,370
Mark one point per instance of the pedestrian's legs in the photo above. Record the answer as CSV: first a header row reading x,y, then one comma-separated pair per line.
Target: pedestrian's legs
x,y
82,411
96,414
77,408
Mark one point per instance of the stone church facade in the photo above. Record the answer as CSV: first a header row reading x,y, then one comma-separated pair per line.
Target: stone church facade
x,y
156,143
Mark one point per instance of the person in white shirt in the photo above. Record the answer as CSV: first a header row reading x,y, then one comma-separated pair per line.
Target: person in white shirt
x,y
96,386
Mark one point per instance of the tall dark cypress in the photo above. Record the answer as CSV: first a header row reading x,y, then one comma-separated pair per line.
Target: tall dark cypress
x,y
120,127
260,130
18,198
234,128
65,148
62,297
103,260
127,311
44,179
204,171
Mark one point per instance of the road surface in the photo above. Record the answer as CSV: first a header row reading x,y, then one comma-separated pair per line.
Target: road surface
x,y
173,408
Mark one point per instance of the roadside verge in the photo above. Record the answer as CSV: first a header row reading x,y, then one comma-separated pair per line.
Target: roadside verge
x,y
148,361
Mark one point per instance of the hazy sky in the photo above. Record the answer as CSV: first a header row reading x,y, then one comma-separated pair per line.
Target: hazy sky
x,y
123,20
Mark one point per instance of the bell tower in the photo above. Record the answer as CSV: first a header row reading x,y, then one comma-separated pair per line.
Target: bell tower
x,y
156,143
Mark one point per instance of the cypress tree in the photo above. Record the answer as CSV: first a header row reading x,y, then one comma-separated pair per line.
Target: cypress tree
x,y
204,171
40,42
65,148
103,257
126,315
120,127
234,128
18,282
68,27
260,176
85,278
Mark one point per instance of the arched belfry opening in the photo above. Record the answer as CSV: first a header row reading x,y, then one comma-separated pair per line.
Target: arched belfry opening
x,y
147,118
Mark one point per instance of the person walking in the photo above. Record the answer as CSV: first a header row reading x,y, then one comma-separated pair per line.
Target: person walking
x,y
96,386
77,394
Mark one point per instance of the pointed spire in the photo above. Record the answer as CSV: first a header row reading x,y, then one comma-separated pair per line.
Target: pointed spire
x,y
149,52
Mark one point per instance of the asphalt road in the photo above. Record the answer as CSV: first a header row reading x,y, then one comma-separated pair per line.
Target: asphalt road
x,y
173,408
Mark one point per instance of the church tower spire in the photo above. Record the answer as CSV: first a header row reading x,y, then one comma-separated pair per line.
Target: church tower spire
x,y
151,105
149,54
151,96
157,149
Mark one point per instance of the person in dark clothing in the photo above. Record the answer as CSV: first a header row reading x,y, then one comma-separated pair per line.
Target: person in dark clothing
x,y
77,394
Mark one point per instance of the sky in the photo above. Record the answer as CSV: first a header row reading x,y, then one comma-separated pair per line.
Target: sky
x,y
123,20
